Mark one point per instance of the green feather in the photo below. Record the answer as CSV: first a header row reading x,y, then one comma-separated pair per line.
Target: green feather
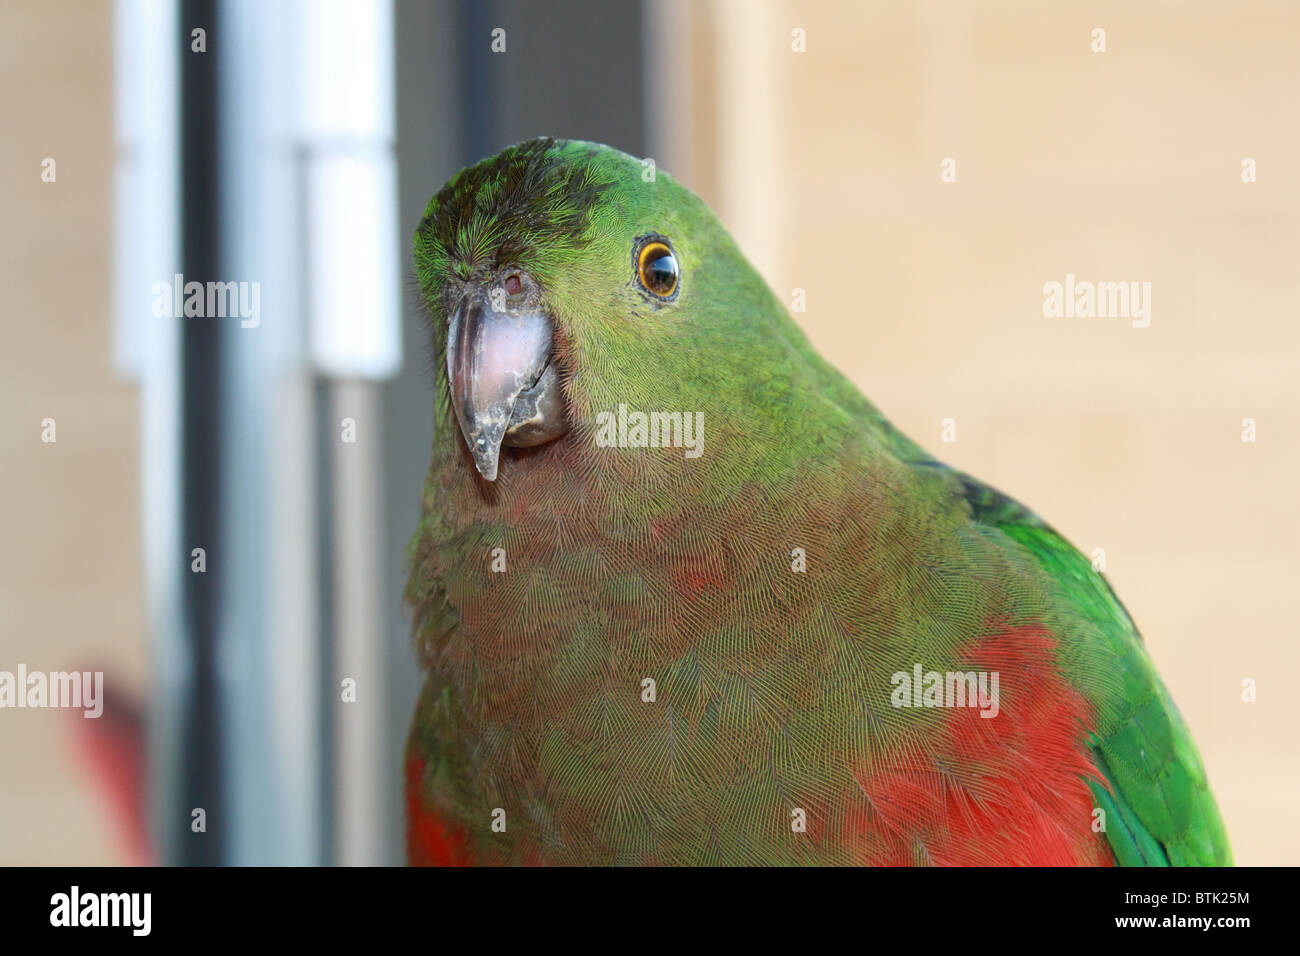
x,y
772,686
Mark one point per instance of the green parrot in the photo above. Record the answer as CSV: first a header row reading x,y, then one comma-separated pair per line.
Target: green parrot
x,y
684,596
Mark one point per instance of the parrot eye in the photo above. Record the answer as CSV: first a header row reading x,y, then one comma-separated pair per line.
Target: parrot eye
x,y
656,267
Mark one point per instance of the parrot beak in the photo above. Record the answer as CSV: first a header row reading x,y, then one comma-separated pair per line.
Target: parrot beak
x,y
504,389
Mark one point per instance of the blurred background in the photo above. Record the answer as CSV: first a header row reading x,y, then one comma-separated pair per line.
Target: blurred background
x,y
295,144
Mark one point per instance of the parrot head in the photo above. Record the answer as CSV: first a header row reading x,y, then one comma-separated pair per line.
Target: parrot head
x,y
566,278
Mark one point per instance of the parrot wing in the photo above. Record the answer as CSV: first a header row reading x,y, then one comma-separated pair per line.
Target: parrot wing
x,y
1158,807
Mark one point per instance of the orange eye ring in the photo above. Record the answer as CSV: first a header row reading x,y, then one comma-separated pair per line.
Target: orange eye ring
x,y
657,270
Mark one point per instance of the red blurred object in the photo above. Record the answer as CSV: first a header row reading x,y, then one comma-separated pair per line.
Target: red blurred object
x,y
112,748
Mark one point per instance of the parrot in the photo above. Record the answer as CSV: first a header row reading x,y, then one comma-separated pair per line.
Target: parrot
x,y
682,596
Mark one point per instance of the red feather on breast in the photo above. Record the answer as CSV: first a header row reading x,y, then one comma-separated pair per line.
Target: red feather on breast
x,y
1021,796
430,840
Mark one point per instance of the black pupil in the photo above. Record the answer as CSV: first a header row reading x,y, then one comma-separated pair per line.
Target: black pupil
x,y
661,271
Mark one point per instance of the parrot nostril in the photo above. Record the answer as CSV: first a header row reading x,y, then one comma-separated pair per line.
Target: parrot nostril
x,y
513,284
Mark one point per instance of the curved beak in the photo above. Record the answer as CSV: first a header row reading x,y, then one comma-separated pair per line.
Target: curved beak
x,y
503,389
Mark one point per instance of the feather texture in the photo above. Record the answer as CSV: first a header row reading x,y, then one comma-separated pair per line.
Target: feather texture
x,y
774,734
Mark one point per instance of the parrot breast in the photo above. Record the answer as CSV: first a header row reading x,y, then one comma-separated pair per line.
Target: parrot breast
x,y
669,690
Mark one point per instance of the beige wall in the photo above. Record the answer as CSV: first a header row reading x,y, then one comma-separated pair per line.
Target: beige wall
x,y
1123,165
70,564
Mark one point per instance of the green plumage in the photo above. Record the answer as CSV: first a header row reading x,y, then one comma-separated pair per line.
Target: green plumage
x,y
772,685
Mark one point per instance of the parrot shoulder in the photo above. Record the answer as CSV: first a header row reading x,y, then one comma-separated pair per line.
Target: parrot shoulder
x,y
1158,807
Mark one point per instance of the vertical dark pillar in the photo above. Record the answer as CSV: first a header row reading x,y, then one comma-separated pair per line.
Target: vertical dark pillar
x,y
201,394
327,434
479,83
